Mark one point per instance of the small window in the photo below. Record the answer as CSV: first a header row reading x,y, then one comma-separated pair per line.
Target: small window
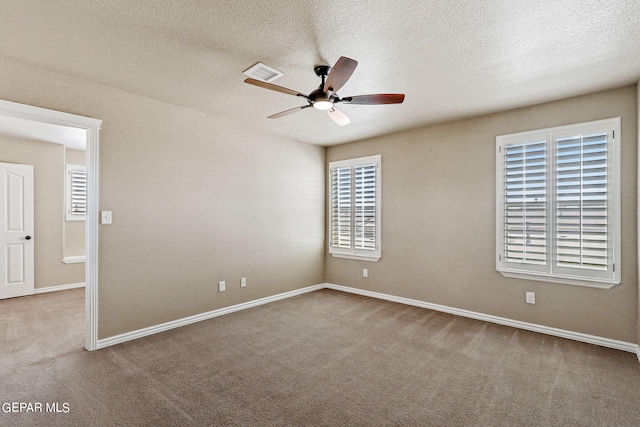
x,y
354,210
76,193
558,204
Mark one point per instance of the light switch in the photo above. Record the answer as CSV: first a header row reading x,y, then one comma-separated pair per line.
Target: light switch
x,y
105,217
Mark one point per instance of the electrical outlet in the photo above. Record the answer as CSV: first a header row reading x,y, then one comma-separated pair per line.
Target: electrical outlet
x,y
221,286
531,297
365,272
243,282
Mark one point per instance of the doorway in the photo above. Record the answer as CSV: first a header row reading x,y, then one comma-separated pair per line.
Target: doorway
x,y
38,117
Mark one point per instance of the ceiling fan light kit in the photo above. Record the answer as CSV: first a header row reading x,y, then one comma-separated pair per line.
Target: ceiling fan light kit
x,y
322,104
325,97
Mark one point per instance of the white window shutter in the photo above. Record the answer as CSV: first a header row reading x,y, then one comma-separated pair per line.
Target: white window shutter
x,y
525,202
365,207
558,204
355,208
582,199
341,207
76,193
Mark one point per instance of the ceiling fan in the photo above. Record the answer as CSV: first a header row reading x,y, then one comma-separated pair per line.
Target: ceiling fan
x,y
325,97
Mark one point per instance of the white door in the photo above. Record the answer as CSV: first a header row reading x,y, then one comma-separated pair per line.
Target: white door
x,y
16,230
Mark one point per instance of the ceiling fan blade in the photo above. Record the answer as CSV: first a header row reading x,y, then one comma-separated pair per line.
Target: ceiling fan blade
x,y
338,116
287,112
377,99
339,74
274,87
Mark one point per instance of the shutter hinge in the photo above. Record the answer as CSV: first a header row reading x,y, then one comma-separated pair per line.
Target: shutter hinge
x,y
500,149
614,268
614,134
500,257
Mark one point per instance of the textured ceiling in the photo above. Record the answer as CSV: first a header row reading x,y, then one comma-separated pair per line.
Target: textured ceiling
x,y
451,58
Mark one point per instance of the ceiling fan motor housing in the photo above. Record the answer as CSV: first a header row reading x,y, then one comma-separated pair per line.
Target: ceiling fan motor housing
x,y
321,100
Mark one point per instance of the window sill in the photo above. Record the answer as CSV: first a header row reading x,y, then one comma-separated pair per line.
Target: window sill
x,y
601,284
358,257
76,218
74,259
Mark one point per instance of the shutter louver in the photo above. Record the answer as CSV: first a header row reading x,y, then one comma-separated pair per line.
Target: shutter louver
x,y
581,210
525,203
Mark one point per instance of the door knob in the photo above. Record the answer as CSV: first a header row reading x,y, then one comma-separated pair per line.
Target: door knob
x,y
28,237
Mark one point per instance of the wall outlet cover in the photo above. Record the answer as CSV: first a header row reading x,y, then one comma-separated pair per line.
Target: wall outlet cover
x,y
531,297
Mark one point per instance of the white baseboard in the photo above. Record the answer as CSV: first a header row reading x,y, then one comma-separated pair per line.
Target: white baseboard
x,y
576,336
58,288
128,336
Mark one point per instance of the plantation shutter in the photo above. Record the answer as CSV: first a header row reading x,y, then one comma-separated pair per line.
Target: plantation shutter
x,y
558,210
354,210
341,207
582,201
78,192
365,207
525,202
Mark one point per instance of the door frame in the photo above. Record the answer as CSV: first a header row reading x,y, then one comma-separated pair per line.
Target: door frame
x,y
92,127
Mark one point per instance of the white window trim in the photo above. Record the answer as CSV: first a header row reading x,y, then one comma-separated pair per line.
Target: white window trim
x,y
68,197
352,253
614,206
74,259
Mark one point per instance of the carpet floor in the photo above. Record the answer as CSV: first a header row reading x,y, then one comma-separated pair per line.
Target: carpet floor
x,y
320,359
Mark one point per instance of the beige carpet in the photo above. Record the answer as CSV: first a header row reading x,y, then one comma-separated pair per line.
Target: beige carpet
x,y
320,359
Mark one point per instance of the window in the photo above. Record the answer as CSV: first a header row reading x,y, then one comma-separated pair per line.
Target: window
x,y
76,193
558,204
354,210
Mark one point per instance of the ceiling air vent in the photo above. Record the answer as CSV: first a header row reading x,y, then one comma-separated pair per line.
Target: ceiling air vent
x,y
263,72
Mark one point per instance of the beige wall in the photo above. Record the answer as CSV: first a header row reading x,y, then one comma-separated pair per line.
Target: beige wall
x,y
48,162
438,221
195,200
74,231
